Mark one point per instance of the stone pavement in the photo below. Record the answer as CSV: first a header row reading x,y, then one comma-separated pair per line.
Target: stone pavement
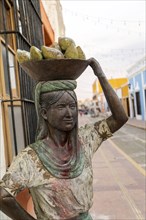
x,y
137,123
119,188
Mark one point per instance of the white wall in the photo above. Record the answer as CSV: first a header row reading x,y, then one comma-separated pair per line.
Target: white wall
x,y
53,10
119,93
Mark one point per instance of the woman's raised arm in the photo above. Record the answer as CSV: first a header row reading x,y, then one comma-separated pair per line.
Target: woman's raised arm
x,y
118,117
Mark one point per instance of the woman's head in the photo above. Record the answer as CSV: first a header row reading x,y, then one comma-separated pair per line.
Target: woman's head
x,y
56,105
59,109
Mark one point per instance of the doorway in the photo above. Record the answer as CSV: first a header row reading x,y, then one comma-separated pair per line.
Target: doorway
x,y
133,106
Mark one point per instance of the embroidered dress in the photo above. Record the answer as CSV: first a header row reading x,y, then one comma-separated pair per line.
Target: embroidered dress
x,y
56,198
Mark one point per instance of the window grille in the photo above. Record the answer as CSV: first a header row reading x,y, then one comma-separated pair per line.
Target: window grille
x,y
20,27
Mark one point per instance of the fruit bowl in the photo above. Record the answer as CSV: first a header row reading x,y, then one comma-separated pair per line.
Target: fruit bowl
x,y
55,69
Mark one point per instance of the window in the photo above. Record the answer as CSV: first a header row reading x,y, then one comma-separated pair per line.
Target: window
x,y
1,16
128,108
19,17
9,67
138,104
19,23
12,72
6,21
18,127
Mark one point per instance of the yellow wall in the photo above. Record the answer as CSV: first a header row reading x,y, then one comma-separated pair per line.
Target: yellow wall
x,y
115,83
125,91
94,87
119,83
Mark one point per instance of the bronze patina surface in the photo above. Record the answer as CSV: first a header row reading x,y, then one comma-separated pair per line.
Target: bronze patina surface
x,y
55,69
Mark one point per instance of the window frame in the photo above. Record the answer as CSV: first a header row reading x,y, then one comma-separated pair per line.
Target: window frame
x,y
7,130
4,96
2,77
10,6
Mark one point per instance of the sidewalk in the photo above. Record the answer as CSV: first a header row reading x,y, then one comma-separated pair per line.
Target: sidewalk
x,y
119,188
136,123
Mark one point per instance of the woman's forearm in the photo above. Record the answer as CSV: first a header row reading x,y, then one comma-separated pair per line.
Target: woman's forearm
x,y
11,207
118,117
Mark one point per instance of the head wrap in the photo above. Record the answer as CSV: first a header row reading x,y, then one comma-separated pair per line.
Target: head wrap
x,y
50,86
56,85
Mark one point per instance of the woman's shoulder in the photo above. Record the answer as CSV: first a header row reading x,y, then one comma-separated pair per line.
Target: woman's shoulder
x,y
27,153
86,129
85,132
99,128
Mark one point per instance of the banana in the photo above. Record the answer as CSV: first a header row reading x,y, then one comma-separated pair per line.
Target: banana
x,y
35,53
65,42
51,53
56,46
71,52
65,48
22,56
81,54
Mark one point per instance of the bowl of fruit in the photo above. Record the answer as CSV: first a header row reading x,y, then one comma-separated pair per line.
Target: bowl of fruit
x,y
63,60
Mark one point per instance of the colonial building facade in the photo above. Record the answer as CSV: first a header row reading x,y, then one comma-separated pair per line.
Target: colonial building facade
x,y
22,24
130,90
137,89
120,85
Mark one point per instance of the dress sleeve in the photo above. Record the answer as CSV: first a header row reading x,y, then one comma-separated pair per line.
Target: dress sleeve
x,y
18,175
94,134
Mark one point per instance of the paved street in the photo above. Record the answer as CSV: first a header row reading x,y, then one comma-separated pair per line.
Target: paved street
x,y
132,141
119,175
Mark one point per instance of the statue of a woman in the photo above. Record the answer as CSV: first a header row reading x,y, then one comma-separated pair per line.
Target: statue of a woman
x,y
57,168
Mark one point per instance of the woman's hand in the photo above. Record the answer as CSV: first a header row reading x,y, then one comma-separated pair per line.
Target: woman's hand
x,y
96,67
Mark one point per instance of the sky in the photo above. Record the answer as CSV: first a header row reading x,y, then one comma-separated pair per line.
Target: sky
x,y
113,32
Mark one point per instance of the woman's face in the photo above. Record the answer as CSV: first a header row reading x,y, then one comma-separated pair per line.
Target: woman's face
x,y
62,115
